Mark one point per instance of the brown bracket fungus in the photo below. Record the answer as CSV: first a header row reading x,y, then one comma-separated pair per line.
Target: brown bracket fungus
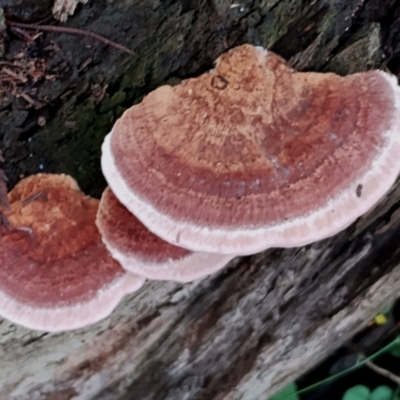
x,y
140,251
55,272
254,155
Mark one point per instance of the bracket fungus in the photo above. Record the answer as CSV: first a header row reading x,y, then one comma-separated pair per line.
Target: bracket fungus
x,y
254,155
55,272
140,251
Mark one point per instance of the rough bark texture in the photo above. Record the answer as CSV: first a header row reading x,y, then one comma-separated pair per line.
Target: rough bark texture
x,y
262,321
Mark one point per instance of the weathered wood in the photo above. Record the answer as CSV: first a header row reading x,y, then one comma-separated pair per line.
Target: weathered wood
x,y
248,330
238,335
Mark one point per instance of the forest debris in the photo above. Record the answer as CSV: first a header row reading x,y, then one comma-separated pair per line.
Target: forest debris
x,y
13,74
71,31
18,76
41,121
98,92
63,8
22,34
384,372
29,100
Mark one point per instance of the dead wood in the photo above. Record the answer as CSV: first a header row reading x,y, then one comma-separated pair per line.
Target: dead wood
x,y
264,320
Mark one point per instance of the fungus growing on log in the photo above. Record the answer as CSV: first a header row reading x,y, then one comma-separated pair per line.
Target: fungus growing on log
x,y
140,251
55,272
254,155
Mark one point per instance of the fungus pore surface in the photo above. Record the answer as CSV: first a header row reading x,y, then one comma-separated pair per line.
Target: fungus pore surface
x,y
55,272
254,155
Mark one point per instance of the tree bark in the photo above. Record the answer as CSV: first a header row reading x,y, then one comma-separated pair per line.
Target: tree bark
x,y
263,320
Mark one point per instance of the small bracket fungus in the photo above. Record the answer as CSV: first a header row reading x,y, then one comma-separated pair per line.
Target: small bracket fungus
x,y
140,251
254,155
55,273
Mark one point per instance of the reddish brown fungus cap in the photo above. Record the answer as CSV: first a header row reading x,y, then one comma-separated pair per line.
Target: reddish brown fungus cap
x,y
55,272
254,155
140,251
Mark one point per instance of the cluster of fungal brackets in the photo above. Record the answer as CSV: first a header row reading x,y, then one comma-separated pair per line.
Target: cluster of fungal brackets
x,y
248,156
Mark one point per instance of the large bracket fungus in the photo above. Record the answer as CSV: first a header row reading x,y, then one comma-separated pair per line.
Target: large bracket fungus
x,y
140,251
254,155
55,272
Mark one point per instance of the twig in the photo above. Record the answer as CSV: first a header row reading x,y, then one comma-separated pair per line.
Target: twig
x,y
29,99
13,74
31,198
383,372
21,33
9,63
72,31
354,367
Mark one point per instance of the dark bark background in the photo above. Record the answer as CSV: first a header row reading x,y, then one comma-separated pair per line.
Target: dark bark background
x,y
247,331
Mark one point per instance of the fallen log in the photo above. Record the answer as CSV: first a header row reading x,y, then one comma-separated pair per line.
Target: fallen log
x,y
262,321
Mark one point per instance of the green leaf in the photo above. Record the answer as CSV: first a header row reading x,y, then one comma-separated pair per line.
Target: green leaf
x,y
395,349
383,393
387,309
289,392
358,392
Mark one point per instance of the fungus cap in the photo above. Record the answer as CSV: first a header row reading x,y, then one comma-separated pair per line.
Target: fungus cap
x,y
55,273
254,155
140,251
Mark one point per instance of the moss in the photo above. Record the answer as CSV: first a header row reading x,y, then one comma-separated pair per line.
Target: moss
x,y
111,102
